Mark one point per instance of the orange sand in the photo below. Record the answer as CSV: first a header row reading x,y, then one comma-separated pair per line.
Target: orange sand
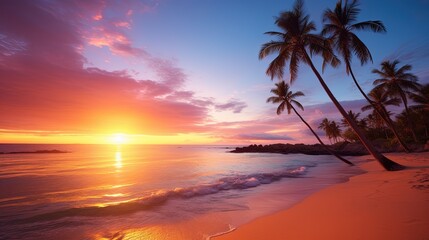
x,y
372,206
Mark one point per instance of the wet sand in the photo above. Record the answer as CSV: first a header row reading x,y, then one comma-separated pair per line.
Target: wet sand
x,y
372,206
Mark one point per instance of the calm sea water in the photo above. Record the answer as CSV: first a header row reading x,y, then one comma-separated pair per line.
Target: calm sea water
x,y
150,192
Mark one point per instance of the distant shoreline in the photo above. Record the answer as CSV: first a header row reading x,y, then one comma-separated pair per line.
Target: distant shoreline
x,y
344,149
38,152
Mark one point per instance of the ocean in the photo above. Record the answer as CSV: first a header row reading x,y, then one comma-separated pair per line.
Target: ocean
x,y
150,191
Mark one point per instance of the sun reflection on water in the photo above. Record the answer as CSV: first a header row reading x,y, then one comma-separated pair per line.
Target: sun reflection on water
x,y
118,159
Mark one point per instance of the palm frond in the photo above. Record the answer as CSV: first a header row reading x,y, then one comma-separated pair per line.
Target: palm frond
x,y
360,49
393,102
375,26
367,107
270,48
276,67
277,34
297,94
294,66
329,29
281,108
298,104
351,11
274,100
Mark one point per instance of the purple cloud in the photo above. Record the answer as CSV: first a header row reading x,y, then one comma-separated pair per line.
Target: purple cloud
x,y
233,105
263,136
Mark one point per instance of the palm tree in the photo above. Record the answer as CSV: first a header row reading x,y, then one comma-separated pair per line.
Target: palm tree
x,y
325,125
422,107
292,45
398,83
348,133
286,98
421,98
377,125
335,131
353,116
340,25
379,100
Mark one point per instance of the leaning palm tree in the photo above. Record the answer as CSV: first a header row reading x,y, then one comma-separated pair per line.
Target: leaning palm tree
x,y
286,99
379,100
293,46
340,27
398,83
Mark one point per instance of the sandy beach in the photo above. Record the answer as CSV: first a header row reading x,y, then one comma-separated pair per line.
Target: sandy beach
x,y
375,205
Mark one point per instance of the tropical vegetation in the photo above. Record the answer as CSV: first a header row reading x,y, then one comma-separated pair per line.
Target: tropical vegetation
x,y
296,43
287,99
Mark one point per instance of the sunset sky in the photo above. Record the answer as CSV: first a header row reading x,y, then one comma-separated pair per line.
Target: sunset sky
x,y
174,71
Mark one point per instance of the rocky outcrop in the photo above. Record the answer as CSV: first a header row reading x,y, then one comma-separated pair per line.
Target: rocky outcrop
x,y
38,152
341,148
346,149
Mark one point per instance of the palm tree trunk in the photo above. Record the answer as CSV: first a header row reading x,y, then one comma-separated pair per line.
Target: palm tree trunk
x,y
389,123
388,164
320,141
426,131
410,123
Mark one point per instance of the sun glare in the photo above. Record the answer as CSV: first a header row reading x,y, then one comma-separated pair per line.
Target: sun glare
x,y
119,138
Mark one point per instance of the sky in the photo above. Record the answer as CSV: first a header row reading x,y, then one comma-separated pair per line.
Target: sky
x,y
175,71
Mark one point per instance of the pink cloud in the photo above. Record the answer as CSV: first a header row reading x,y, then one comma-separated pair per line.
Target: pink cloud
x,y
167,71
117,42
123,24
45,87
97,17
273,128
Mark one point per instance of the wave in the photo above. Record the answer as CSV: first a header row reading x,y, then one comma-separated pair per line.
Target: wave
x,y
158,198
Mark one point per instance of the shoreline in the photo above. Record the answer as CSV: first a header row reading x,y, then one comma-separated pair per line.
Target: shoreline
x,y
340,148
374,205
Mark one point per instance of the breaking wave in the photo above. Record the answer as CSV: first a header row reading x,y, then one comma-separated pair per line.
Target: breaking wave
x,y
160,197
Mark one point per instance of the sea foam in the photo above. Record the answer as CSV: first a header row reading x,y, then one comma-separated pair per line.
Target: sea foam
x,y
160,197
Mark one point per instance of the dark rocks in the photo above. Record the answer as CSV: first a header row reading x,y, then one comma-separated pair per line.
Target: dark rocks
x,y
345,149
38,151
341,148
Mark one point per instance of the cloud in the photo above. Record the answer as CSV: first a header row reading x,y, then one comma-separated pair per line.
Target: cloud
x,y
38,34
263,136
46,88
269,127
233,105
410,53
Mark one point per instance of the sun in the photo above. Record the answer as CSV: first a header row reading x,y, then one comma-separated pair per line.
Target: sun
x,y
119,138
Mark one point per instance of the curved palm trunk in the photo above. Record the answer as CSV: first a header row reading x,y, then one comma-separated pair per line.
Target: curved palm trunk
x,y
410,123
388,164
392,127
385,118
320,141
